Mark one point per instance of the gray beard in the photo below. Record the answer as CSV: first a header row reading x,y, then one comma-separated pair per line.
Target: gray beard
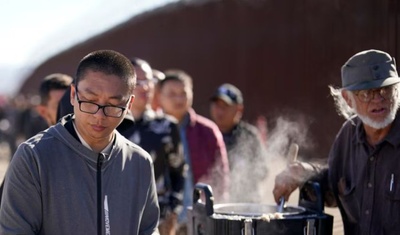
x,y
380,125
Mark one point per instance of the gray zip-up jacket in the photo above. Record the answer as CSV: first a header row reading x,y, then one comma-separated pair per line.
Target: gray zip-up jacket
x,y
55,185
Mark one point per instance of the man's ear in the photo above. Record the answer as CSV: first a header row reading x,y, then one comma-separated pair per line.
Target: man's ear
x,y
240,108
72,95
131,101
239,111
346,97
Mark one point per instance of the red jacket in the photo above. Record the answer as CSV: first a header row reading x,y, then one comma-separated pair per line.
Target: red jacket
x,y
208,154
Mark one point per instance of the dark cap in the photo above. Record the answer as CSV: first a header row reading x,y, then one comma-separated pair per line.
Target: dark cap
x,y
368,70
228,93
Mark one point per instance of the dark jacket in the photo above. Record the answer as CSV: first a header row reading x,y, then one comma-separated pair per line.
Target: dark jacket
x,y
158,134
247,161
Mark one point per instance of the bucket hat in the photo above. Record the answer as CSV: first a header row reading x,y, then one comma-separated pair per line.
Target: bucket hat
x,y
368,70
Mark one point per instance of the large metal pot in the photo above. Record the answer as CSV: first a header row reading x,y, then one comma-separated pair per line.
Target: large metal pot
x,y
254,210
248,218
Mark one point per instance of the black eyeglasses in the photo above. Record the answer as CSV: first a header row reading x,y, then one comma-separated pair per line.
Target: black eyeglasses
x,y
367,95
92,108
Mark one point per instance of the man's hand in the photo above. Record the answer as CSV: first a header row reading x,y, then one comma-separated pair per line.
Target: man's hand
x,y
290,179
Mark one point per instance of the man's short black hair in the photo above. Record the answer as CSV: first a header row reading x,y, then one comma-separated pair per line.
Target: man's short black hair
x,y
55,81
109,62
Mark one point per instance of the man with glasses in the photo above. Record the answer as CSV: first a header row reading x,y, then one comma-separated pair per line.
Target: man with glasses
x,y
65,108
81,176
158,134
362,177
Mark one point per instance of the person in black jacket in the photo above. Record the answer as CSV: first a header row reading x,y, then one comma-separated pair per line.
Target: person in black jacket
x,y
246,151
361,176
158,134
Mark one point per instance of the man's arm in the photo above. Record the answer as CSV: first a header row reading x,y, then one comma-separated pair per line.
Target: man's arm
x,y
21,206
296,174
151,212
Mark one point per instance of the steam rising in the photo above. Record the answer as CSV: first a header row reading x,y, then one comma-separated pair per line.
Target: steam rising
x,y
284,133
252,179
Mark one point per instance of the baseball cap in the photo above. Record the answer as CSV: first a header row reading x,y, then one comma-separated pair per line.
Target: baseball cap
x,y
368,70
228,93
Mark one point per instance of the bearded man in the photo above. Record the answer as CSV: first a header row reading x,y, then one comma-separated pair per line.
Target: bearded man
x,y
363,170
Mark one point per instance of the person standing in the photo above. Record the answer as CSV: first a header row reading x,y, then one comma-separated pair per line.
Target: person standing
x,y
204,148
246,151
43,114
51,90
158,134
81,176
362,175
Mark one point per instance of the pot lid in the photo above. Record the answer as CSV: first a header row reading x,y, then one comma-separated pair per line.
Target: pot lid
x,y
254,209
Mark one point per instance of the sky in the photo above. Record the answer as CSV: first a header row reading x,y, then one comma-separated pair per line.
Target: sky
x,y
33,31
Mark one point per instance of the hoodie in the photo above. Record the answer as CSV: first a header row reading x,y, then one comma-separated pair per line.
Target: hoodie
x,y
55,185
